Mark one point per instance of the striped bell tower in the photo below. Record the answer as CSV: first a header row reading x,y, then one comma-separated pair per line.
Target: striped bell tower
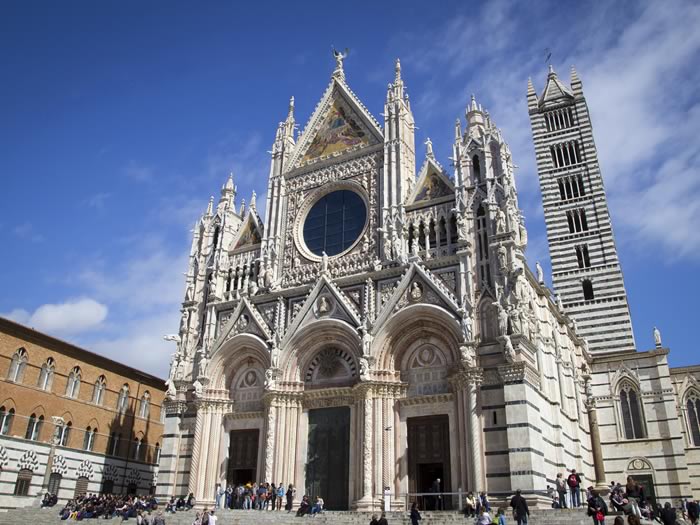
x,y
586,271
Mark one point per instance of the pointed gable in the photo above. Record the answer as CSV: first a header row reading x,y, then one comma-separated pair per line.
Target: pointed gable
x,y
325,301
433,183
554,90
249,234
340,124
245,318
418,285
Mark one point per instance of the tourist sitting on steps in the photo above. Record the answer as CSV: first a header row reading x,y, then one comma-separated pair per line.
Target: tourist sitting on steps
x,y
304,506
484,518
318,506
470,506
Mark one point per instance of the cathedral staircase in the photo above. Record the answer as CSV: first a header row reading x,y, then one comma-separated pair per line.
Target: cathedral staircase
x,y
36,516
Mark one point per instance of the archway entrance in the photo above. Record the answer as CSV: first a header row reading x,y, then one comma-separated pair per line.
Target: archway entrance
x,y
429,459
327,468
242,457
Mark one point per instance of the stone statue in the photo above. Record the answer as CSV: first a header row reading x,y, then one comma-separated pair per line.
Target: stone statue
x,y
508,350
269,379
540,273
465,324
366,338
252,287
416,291
467,356
203,364
462,227
414,247
560,303
170,391
198,388
502,318
523,235
274,353
173,367
324,262
339,57
364,368
189,293
324,305
515,316
179,367
183,321
657,337
212,284
500,220
502,257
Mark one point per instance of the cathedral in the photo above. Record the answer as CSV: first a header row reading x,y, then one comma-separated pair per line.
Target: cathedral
x,y
381,329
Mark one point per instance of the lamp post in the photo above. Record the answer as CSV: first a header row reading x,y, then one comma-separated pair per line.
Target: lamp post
x,y
598,464
58,423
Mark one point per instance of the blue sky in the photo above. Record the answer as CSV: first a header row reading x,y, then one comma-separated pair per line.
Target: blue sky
x,y
119,119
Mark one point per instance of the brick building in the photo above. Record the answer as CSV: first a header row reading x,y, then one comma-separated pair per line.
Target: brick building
x,y
72,421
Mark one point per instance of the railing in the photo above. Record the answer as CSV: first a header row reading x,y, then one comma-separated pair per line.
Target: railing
x,y
426,500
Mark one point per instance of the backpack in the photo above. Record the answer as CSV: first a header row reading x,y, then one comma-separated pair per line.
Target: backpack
x,y
572,481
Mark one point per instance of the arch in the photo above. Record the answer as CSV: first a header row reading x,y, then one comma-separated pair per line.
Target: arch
x,y
73,384
123,399
631,410
98,390
309,340
64,436
246,387
7,415
330,366
587,286
17,366
692,410
412,325
34,425
145,405
46,374
487,317
232,354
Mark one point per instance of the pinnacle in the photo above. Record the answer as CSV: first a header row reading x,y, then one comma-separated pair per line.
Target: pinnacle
x,y
397,69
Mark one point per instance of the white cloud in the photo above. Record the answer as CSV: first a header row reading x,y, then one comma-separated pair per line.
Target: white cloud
x,y
138,172
72,317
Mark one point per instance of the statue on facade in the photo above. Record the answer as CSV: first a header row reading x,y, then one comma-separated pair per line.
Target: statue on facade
x,y
560,303
467,356
462,227
508,350
324,305
183,321
269,379
414,247
515,317
170,390
198,388
500,220
657,338
212,284
465,323
189,292
364,368
366,338
502,257
416,291
203,363
502,318
324,263
540,272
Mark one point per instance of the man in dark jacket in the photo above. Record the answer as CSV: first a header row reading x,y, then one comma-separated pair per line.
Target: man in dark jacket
x,y
597,508
668,515
520,510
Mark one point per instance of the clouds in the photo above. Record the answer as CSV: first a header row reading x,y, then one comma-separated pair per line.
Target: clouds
x,y
72,317
138,172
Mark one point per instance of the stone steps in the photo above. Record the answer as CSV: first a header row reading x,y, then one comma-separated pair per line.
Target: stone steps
x,y
240,517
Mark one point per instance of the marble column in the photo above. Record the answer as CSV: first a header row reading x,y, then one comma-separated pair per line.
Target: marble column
x,y
196,467
365,501
474,378
601,484
271,421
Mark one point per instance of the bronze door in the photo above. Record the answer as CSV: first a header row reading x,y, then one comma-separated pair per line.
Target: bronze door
x,y
328,460
243,457
429,459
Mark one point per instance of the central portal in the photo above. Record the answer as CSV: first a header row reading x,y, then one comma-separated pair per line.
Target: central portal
x,y
429,460
327,467
242,457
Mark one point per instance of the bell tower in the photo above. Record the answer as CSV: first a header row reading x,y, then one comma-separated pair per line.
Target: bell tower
x,y
586,271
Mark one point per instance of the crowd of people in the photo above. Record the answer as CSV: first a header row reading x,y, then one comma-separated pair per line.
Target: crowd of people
x,y
109,506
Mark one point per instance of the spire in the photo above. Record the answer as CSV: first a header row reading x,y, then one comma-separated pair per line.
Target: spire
x,y
210,207
472,104
252,201
242,210
397,70
576,84
228,192
552,73
475,114
290,113
531,94
429,149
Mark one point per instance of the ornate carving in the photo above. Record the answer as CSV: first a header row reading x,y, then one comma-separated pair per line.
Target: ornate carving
x,y
4,460
639,464
28,461
85,469
110,472
59,465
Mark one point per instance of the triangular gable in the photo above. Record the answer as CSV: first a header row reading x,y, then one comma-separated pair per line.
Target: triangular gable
x,y
249,233
325,301
244,319
554,90
433,183
340,123
418,285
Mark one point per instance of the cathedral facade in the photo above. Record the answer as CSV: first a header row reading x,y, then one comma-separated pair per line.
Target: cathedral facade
x,y
382,329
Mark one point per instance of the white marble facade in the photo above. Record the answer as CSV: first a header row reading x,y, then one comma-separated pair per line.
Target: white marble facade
x,y
430,310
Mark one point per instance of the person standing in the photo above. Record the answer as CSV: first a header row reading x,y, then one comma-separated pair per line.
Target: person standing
x,y
280,496
415,514
212,518
520,508
561,490
597,508
438,496
668,514
290,498
574,483
382,520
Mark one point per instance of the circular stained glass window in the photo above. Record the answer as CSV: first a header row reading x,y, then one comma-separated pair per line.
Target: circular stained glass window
x,y
335,222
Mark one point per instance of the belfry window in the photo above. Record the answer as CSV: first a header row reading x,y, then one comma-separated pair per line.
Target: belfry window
x,y
577,221
588,294
631,412
582,256
693,409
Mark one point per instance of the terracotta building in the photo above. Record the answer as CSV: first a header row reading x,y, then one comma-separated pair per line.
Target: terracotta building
x,y
73,421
